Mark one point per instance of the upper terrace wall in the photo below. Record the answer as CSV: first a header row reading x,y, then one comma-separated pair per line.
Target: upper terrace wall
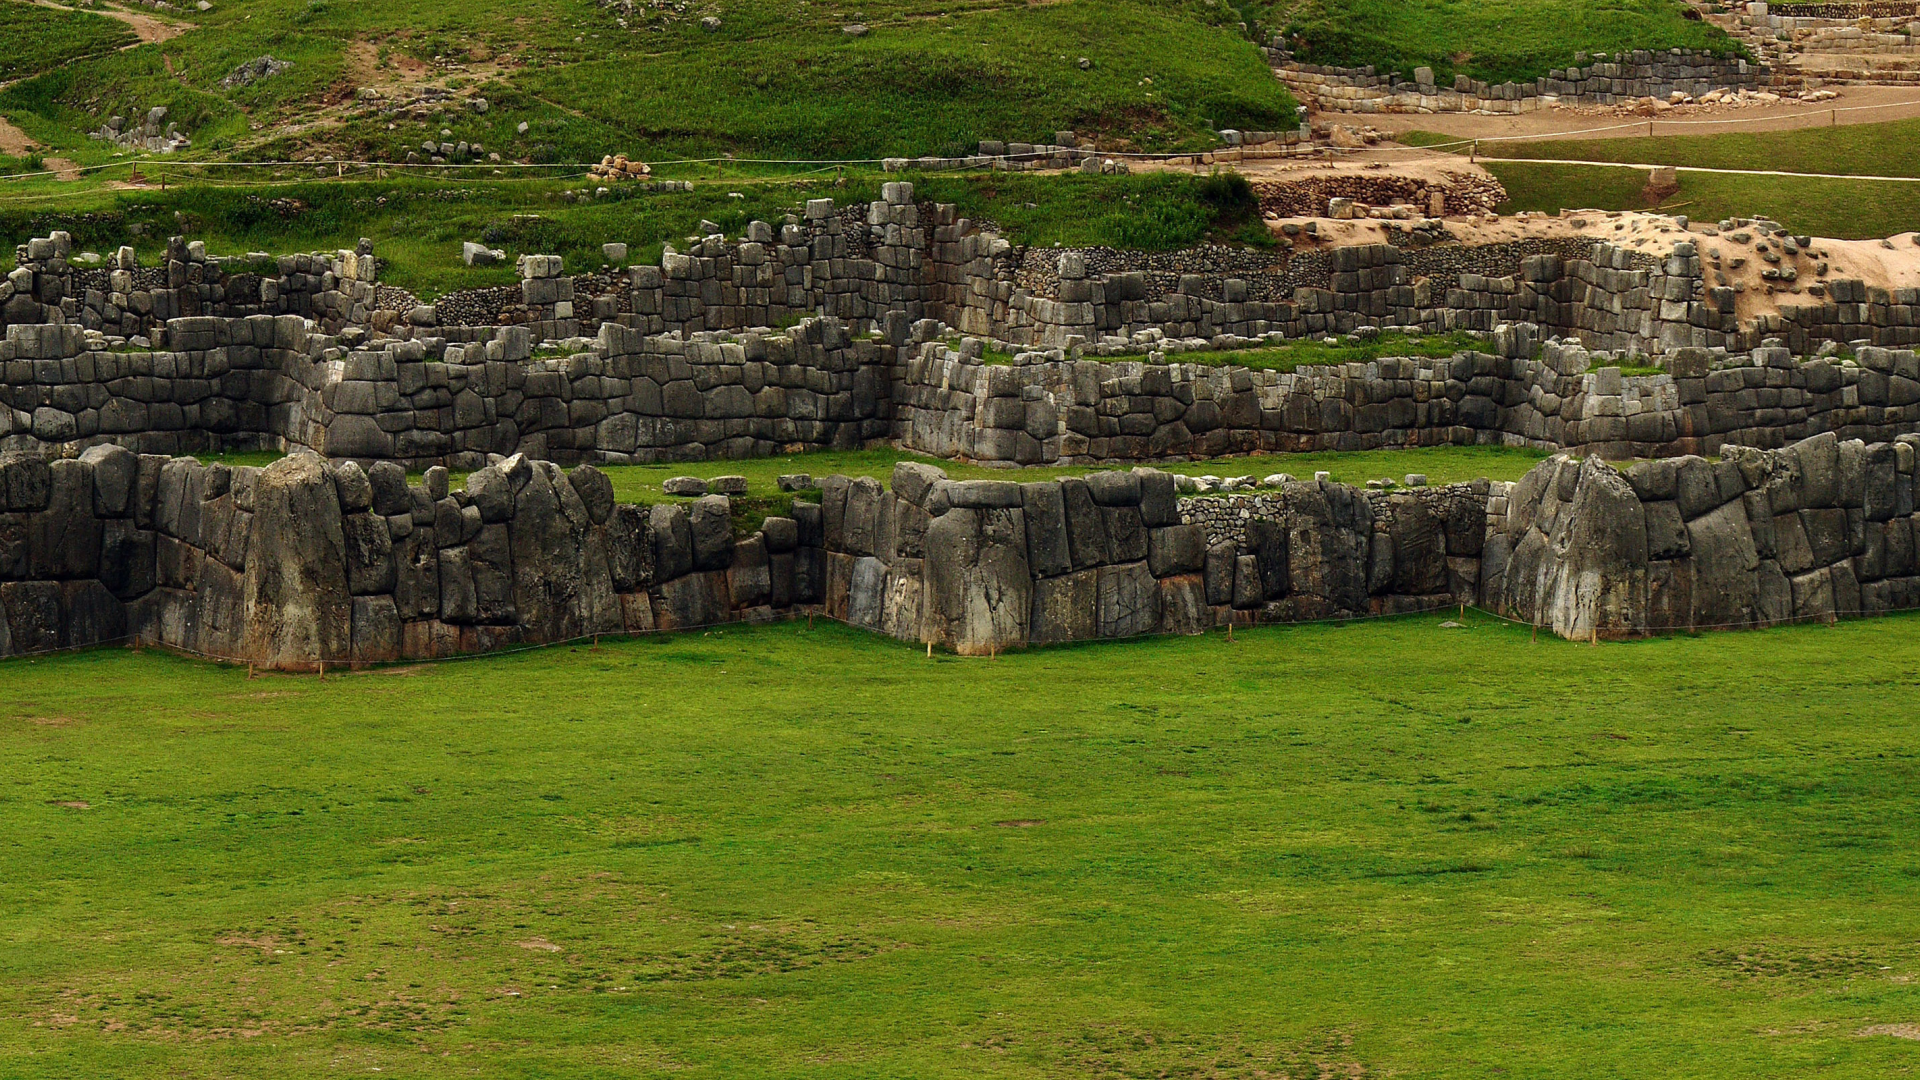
x,y
899,261
1599,80
265,382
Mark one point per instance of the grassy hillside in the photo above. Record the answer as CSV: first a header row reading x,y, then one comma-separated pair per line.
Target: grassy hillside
x,y
1495,40
35,39
772,78
1389,849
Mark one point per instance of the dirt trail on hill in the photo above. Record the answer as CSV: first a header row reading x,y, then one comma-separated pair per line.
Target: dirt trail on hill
x,y
1881,104
150,29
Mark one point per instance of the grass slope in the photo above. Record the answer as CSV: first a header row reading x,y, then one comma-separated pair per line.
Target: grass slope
x,y
1383,849
35,39
1495,41
773,79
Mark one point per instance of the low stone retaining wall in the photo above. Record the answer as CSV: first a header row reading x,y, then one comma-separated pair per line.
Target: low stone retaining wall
x,y
1599,80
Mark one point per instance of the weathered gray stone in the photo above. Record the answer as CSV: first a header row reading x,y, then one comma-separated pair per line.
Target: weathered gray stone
x,y
115,470
1177,550
979,590
1064,608
595,491
1048,550
1724,562
298,609
711,525
672,542
1128,601
1086,526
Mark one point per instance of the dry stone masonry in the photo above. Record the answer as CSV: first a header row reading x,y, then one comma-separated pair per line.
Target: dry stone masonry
x,y
1595,80
903,323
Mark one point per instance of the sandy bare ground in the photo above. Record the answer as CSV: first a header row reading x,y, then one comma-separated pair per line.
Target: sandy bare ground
x,y
1431,165
1883,103
13,141
1890,263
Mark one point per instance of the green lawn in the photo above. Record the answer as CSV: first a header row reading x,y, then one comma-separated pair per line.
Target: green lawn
x,y
1842,209
1364,850
1311,352
1867,149
1495,40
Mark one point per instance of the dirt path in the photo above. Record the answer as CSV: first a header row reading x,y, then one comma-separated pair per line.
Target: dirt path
x,y
149,28
13,141
1870,105
1431,165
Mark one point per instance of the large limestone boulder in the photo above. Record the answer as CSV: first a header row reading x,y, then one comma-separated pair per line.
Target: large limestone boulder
x,y
1597,584
298,609
979,592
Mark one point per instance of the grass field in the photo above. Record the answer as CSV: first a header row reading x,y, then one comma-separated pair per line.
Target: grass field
x,y
1494,41
1843,209
1867,149
1376,849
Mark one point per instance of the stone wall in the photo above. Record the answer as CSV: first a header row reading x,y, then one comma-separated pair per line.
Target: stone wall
x,y
1820,529
307,562
1556,395
1597,80
898,261
335,290
269,383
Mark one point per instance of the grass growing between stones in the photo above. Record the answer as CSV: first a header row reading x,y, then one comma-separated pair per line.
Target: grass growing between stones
x,y
1309,352
1376,849
1441,465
